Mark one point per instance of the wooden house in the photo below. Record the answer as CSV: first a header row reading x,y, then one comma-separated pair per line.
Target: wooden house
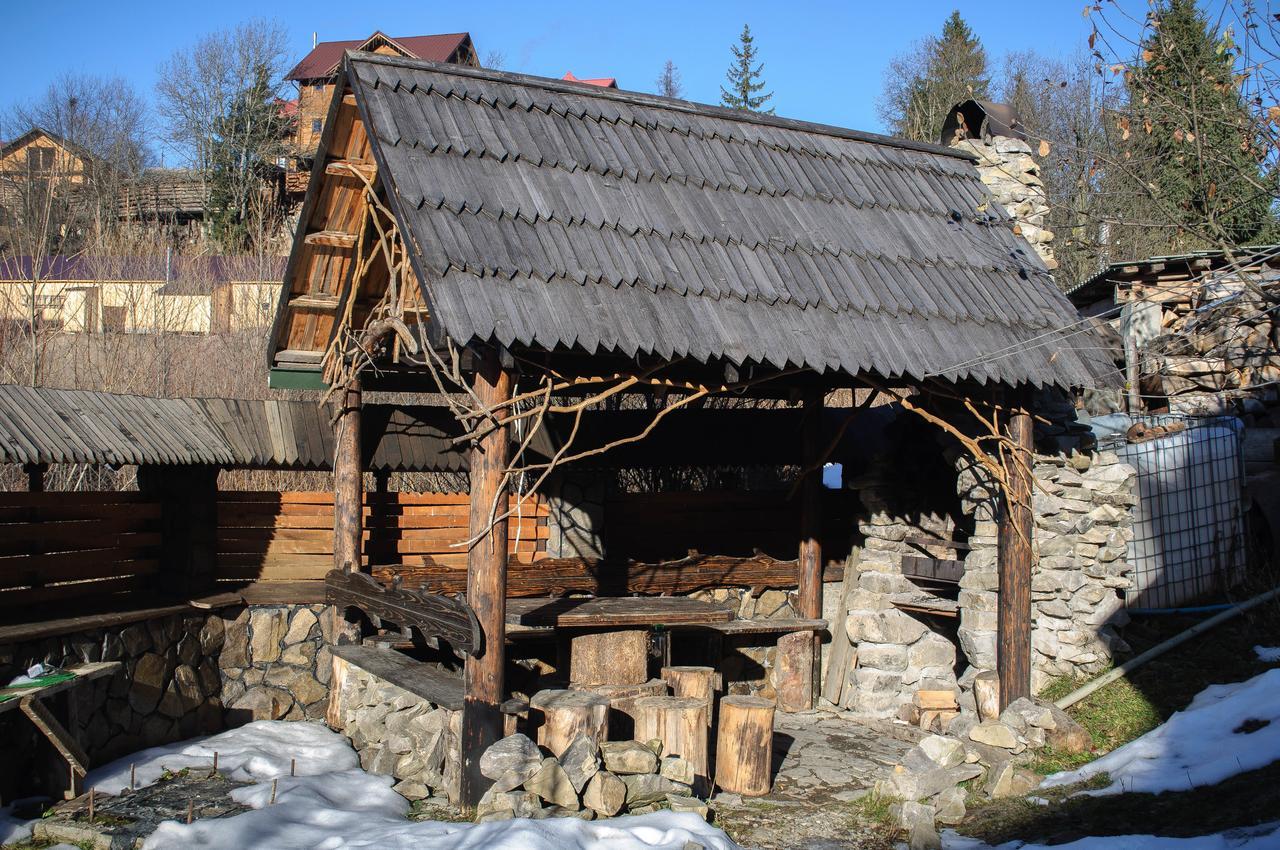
x,y
40,158
317,73
529,239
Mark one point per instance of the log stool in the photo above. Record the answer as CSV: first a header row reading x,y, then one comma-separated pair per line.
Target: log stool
x,y
694,683
680,724
744,746
618,657
622,704
567,714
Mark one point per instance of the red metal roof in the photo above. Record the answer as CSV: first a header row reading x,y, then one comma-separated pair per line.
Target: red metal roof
x,y
323,59
602,82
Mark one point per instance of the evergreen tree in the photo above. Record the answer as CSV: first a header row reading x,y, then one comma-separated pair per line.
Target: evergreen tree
x,y
744,79
1190,158
247,141
923,84
669,81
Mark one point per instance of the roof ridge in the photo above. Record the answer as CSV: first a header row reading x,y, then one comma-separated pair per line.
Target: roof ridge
x,y
658,102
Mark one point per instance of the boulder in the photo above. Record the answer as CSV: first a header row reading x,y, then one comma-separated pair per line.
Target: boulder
x,y
605,794
552,784
510,762
644,789
995,734
677,770
950,806
918,820
945,752
266,627
580,760
1009,780
681,803
890,626
628,757
149,677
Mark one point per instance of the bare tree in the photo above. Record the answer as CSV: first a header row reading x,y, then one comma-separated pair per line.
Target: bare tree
x,y
668,82
495,60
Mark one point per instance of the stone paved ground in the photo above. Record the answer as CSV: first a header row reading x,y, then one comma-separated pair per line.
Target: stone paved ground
x,y
824,762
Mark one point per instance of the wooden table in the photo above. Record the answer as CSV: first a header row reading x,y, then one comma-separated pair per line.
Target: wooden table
x,y
607,638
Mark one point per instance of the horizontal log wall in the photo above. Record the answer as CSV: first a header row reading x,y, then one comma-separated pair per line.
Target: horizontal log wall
x,y
57,547
264,536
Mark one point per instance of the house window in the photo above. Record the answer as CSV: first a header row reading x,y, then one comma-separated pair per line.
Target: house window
x,y
40,160
315,125
318,87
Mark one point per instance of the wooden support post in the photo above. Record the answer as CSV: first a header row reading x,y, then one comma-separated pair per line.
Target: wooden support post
x,y
486,582
348,480
1013,621
744,748
809,581
35,476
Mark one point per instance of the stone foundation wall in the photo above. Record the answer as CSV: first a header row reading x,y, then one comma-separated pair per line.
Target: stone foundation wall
x,y
275,662
400,734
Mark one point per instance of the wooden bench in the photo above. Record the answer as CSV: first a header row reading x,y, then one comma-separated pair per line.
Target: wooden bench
x,y
30,702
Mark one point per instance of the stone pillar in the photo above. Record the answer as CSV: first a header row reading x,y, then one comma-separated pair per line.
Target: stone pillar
x,y
1009,170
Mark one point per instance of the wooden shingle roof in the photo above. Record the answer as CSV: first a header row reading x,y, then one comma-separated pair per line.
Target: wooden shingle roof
x,y
550,215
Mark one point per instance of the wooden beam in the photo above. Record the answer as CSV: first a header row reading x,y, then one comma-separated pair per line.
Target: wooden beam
x,y
1013,644
348,480
62,741
482,722
330,238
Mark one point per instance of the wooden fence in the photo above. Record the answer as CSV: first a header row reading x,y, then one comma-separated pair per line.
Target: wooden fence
x,y
266,536
64,546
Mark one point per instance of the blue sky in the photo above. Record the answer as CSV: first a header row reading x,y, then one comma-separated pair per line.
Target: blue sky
x,y
823,60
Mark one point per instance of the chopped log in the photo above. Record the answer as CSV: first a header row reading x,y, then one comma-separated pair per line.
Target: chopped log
x,y
793,671
744,747
694,683
622,704
935,700
986,691
616,657
566,714
680,724
333,715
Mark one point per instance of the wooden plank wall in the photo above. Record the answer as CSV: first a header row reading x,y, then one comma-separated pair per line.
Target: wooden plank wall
x,y
56,547
267,536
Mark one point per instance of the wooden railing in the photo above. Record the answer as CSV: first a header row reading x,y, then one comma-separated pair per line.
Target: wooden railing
x,y
67,546
289,536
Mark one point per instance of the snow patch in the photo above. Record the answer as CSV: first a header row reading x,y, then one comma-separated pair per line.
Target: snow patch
x,y
1227,729
259,750
1265,837
12,829
1267,654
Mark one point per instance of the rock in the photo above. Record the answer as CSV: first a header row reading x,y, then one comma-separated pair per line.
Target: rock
x,y
628,757
932,650
266,627
913,785
883,656
300,627
677,770
552,784
411,790
212,634
580,760
949,805
654,745
605,794
891,626
149,677
263,703
513,803
995,734
945,752
1067,736
917,820
510,762
1009,780
681,803
645,789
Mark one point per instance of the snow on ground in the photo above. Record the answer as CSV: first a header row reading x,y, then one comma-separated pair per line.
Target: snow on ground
x,y
1203,744
1267,654
256,751
1265,837
13,830
354,809
331,804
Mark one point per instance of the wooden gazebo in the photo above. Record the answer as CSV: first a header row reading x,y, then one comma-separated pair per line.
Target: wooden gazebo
x,y
527,247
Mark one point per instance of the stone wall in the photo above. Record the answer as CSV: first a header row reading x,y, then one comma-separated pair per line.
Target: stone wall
x,y
400,734
1012,175
1083,524
1083,514
275,661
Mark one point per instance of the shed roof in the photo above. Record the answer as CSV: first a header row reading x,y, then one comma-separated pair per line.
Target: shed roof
x,y
553,215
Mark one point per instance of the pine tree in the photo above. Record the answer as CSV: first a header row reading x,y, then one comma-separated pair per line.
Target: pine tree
x,y
1190,157
744,78
669,81
923,84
